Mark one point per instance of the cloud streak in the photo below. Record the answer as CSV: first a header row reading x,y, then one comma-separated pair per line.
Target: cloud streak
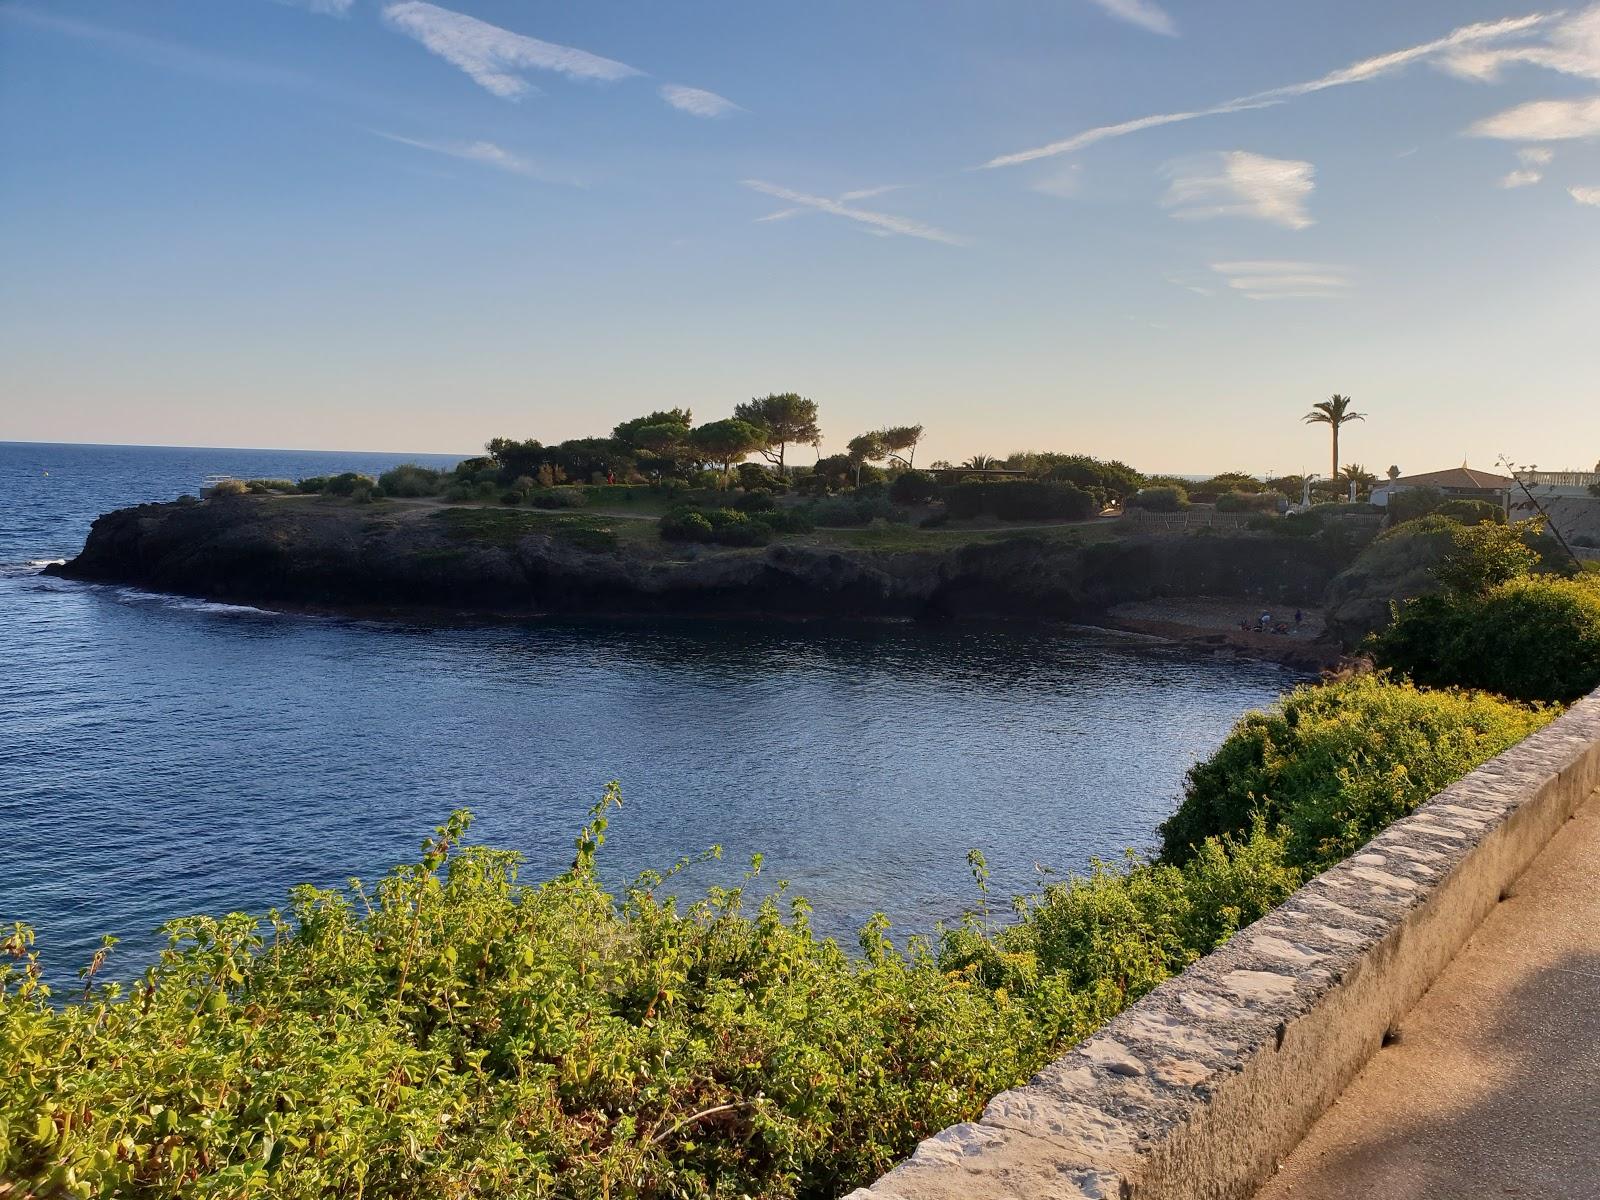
x,y
486,154
1457,40
1279,279
327,8
1585,195
885,224
696,101
1241,184
1142,13
491,56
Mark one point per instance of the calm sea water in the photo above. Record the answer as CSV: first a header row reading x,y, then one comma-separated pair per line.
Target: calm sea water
x,y
162,756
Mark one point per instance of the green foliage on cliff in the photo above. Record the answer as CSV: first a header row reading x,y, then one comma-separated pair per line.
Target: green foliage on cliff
x,y
1534,638
1331,765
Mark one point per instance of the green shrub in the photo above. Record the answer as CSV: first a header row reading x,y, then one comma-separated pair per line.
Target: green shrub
x,y
409,479
755,502
685,525
723,526
1019,500
1248,502
788,520
1333,764
267,487
1410,503
845,511
337,485
1535,638
557,497
224,488
1165,498
1472,512
914,487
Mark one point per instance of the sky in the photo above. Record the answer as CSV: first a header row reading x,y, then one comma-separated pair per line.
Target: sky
x,y
1156,230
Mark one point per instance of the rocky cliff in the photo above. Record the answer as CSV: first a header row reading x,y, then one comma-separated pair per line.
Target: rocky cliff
x,y
317,554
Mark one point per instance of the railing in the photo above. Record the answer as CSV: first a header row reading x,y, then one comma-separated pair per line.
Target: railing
x,y
1561,479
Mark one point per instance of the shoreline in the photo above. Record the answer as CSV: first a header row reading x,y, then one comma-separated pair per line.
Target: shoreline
x,y
1304,655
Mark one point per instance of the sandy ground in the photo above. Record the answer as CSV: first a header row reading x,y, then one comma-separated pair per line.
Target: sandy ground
x,y
1213,622
1217,613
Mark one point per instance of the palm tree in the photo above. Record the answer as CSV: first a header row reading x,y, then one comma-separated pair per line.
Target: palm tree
x,y
981,462
1333,412
1359,475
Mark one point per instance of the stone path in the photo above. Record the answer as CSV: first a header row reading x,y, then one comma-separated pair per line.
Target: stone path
x,y
1493,1087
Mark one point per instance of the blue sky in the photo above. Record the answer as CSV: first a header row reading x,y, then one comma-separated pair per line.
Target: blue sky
x,y
1158,232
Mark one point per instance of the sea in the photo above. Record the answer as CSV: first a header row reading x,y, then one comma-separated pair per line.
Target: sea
x,y
162,756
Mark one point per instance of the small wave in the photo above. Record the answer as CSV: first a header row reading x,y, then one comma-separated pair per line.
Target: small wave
x,y
188,603
42,563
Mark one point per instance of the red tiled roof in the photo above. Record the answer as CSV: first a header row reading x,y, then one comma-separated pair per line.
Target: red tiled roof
x,y
1464,478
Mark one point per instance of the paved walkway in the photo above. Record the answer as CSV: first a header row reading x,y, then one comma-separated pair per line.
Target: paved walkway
x,y
1493,1087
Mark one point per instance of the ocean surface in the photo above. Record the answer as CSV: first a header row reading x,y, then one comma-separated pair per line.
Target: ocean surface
x,y
162,756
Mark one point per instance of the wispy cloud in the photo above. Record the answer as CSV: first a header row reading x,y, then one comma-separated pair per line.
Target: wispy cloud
x,y
328,8
1063,184
486,153
1279,279
491,55
1585,195
1533,159
886,224
1142,13
1467,36
1241,184
697,101
783,214
1572,48
1543,121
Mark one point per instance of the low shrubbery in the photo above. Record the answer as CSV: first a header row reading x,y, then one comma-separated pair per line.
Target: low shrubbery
x,y
914,487
556,497
1162,498
453,1032
1334,764
410,480
1249,502
348,483
1020,500
852,510
730,526
1472,512
267,487
226,487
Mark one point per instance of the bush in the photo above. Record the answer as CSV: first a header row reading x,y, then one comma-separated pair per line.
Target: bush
x,y
723,526
685,525
1165,498
1020,500
914,487
849,511
224,488
556,497
755,502
267,487
337,485
1472,512
1410,503
1249,502
409,479
754,477
1534,638
1334,764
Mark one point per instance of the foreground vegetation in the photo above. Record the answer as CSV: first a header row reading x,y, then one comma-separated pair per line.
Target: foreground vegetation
x,y
455,1032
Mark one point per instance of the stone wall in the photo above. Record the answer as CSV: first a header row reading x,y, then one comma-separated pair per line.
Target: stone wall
x,y
1199,1089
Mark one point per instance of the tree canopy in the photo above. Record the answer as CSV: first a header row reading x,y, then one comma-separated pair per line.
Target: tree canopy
x,y
782,417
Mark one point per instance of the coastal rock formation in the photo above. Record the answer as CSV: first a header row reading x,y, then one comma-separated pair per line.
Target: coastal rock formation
x,y
308,552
